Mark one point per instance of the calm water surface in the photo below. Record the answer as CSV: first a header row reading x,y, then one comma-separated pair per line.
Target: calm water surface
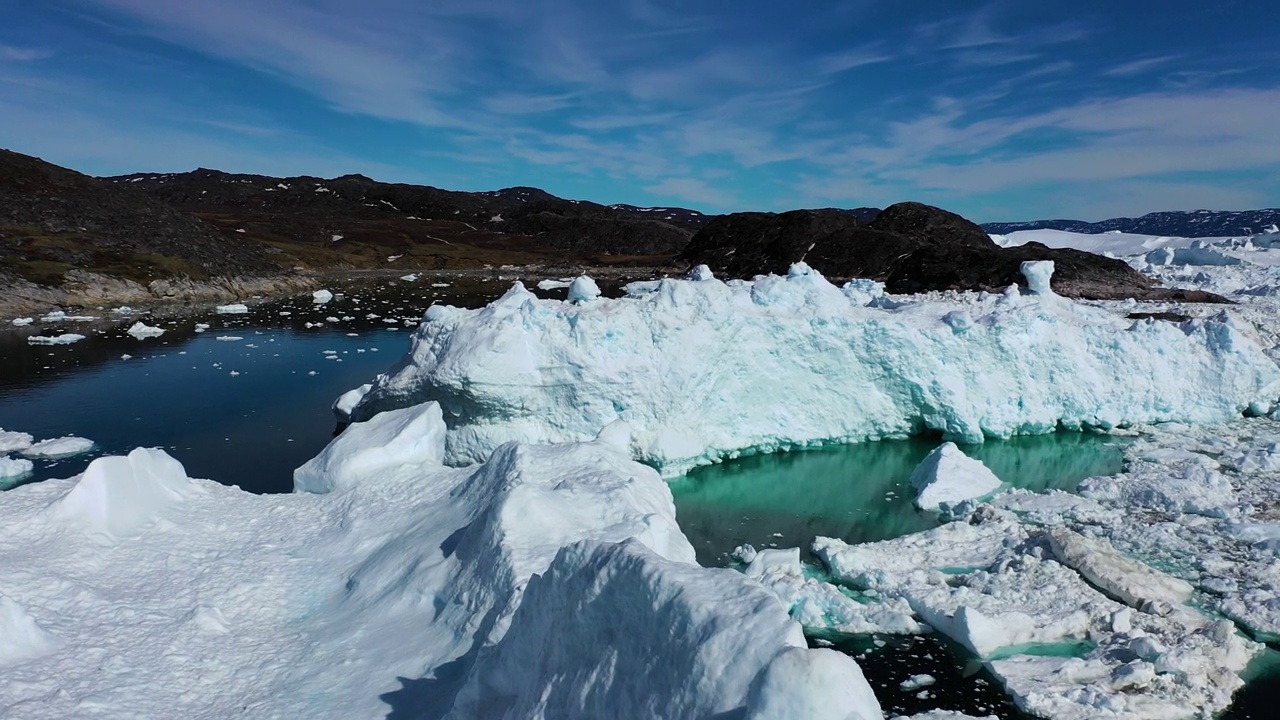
x,y
247,401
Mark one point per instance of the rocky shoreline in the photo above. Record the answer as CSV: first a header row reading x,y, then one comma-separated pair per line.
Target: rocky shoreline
x,y
82,289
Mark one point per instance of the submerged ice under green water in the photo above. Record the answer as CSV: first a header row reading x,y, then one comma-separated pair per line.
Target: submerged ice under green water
x,y
859,492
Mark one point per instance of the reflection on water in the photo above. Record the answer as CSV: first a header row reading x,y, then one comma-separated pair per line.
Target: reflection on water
x,y
858,492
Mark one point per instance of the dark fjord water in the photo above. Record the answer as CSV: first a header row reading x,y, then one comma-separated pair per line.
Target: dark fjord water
x,y
247,411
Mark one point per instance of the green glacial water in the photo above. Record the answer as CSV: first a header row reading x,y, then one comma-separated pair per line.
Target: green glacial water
x,y
859,492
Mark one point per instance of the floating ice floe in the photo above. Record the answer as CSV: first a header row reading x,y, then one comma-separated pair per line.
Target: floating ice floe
x,y
11,468
64,339
22,321
553,284
59,447
11,440
411,277
141,330
321,297
704,370
947,475
61,316
233,309
167,587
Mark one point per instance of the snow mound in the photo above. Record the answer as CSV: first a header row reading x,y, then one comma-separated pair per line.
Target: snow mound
x,y
23,638
947,475
11,468
64,339
11,440
687,662
59,447
118,496
142,330
583,289
233,309
706,370
411,436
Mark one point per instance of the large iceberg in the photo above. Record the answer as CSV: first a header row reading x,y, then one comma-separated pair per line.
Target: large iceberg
x,y
703,369
391,585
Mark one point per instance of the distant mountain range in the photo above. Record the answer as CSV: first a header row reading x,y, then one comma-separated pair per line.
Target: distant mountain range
x,y
208,224
1191,224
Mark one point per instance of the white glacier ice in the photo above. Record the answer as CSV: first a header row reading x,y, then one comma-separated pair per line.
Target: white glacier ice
x,y
947,475
704,370
141,330
11,440
408,588
64,339
321,297
11,468
232,309
59,447
22,637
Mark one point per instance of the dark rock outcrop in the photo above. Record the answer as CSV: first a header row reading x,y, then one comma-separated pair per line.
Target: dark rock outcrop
x,y
53,220
912,247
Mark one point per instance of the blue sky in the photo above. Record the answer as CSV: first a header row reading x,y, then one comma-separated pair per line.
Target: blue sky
x,y
998,111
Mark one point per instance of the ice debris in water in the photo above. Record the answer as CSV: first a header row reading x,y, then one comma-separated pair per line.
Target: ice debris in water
x,y
233,309
141,330
504,570
20,322
947,475
703,370
64,339
321,297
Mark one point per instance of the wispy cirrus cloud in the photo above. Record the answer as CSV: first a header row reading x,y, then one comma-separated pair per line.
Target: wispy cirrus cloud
x,y
23,54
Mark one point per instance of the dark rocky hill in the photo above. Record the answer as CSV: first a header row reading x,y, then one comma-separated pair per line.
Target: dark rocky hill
x,y
1196,223
53,220
910,246
310,209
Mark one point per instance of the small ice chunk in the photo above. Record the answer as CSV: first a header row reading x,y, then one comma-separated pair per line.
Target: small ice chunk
x,y
947,475
142,330
19,322
411,277
229,338
14,467
915,682
700,273
233,309
583,289
321,296
553,284
347,401
64,339
1037,273
201,327
11,440
59,447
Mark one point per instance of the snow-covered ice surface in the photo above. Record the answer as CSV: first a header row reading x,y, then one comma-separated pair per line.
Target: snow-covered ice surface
x,y
551,581
704,370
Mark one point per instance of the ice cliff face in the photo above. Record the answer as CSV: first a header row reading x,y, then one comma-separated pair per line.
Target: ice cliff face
x,y
704,370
